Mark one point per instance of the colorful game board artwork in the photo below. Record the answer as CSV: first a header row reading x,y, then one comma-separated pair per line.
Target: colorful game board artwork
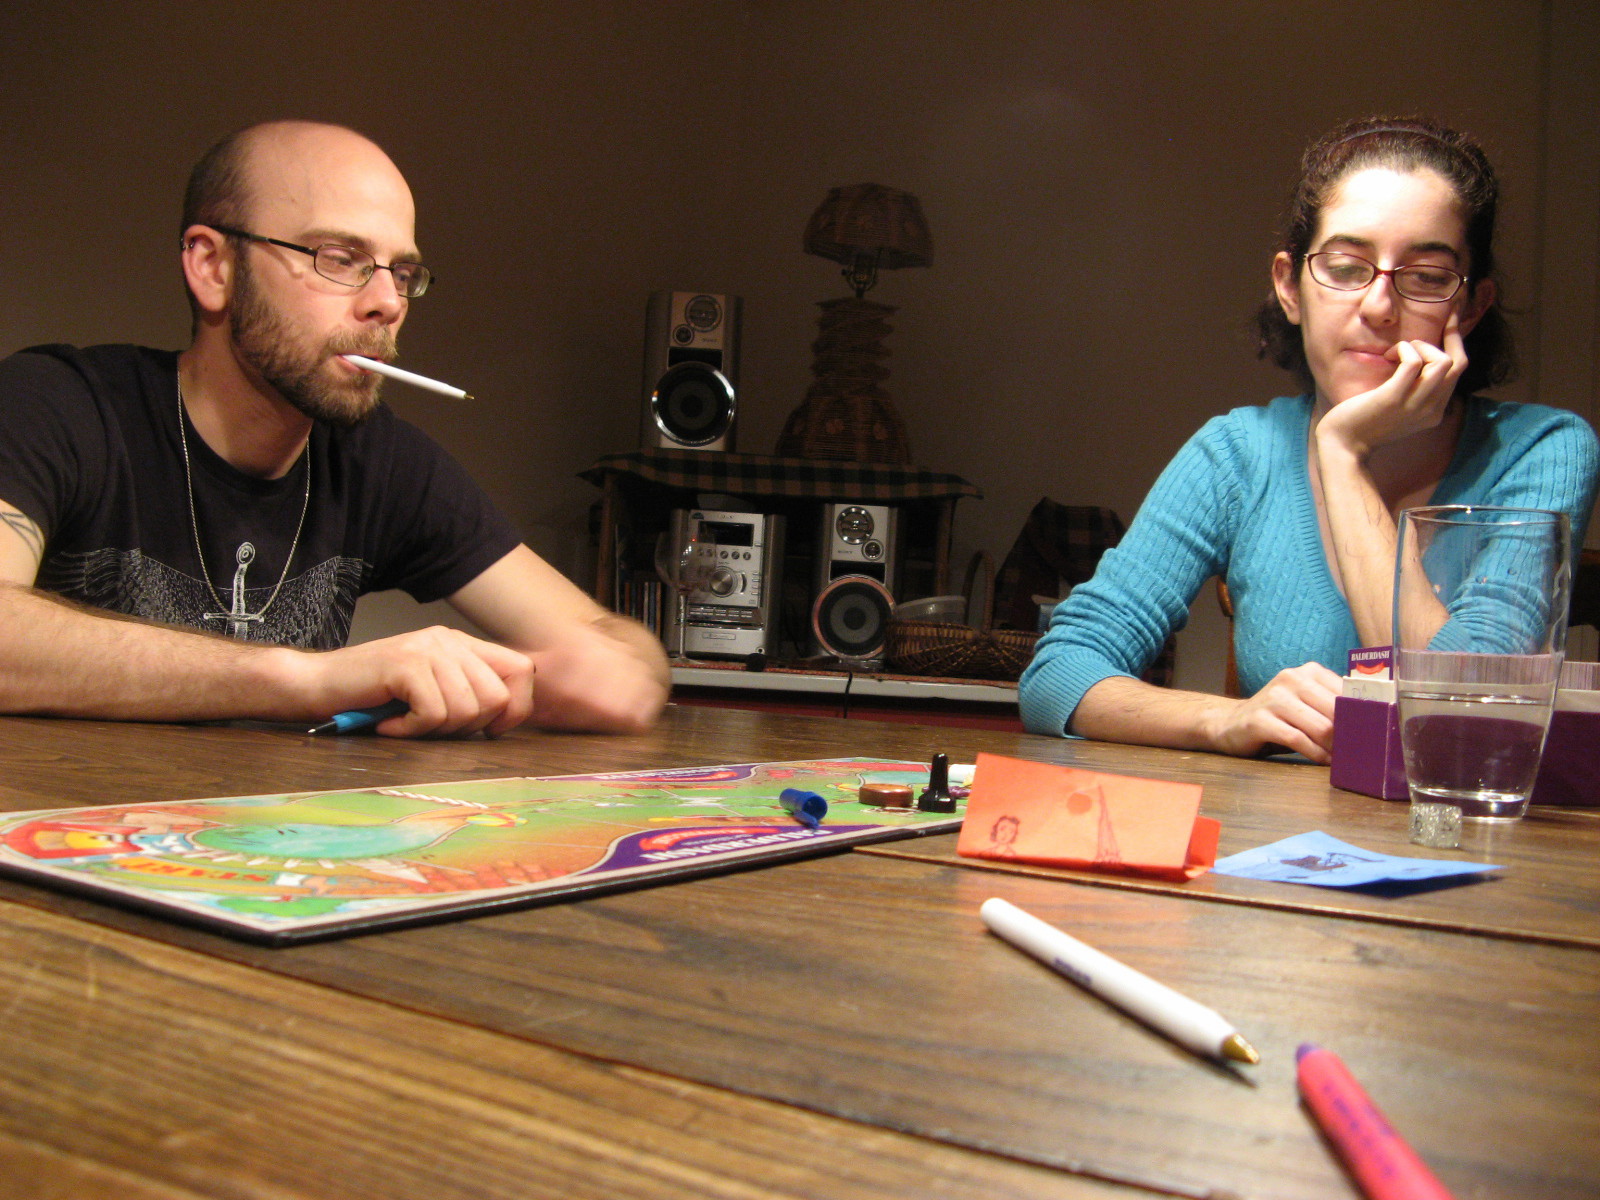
x,y
282,868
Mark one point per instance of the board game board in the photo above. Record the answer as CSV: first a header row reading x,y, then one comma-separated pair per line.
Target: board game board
x,y
290,867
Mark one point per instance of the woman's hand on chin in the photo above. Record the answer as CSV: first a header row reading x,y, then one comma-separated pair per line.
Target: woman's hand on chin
x,y
1412,400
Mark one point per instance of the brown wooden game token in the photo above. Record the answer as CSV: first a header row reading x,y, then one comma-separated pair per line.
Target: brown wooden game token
x,y
886,795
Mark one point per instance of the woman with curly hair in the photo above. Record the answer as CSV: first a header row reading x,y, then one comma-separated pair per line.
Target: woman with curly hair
x,y
1384,306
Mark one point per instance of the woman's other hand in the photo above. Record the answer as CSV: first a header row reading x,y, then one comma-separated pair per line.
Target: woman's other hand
x,y
1294,710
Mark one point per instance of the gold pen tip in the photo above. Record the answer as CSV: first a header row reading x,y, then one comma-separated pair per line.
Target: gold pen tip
x,y
464,396
1239,1050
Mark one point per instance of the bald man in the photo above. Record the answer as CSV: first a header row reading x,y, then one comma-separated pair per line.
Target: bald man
x,y
184,536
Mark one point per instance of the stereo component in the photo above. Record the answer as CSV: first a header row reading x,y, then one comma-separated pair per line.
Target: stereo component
x,y
850,618
691,371
854,580
857,539
731,582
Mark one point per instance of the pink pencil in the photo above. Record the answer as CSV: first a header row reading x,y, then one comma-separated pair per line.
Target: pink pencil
x,y
1384,1166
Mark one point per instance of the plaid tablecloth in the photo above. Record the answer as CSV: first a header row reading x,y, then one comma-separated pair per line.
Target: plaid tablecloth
x,y
798,478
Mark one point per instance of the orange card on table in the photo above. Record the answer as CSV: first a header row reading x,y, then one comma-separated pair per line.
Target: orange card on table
x,y
1066,817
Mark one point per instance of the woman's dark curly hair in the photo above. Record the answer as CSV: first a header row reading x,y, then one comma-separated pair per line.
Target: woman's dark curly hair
x,y
1401,144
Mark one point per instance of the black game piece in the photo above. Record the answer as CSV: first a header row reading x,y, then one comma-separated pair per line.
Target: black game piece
x,y
936,796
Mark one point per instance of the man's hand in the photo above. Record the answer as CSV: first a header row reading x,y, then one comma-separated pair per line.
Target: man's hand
x,y
596,671
457,685
592,681
1294,710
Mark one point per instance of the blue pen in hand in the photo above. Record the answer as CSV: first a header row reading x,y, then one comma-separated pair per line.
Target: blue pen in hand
x,y
806,807
361,718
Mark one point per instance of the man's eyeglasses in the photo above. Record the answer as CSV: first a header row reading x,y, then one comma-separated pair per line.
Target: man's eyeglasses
x,y
347,265
1350,273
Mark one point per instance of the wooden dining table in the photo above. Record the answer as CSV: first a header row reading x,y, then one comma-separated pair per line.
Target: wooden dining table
x,y
836,1027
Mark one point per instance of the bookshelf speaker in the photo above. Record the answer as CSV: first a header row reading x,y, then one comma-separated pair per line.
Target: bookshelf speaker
x,y
691,371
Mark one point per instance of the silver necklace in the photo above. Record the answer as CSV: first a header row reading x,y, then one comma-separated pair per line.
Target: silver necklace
x,y
238,618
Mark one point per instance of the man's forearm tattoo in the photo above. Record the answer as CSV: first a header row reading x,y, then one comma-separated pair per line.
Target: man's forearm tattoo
x,y
25,529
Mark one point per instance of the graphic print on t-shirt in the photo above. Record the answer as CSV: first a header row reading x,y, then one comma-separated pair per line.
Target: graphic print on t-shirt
x,y
312,610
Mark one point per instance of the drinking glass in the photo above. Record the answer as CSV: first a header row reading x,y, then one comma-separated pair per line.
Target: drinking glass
x,y
684,555
1480,621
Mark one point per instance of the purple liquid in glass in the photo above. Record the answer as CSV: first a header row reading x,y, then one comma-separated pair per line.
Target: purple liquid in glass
x,y
1485,765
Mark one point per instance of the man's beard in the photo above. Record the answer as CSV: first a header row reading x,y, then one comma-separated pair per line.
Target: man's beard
x,y
265,342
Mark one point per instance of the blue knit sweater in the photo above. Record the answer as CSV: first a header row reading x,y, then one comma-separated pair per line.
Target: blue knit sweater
x,y
1236,502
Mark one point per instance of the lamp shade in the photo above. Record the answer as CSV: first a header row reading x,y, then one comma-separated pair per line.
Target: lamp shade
x,y
870,220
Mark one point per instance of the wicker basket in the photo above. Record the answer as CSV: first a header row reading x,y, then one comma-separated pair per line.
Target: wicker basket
x,y
961,651
861,427
958,651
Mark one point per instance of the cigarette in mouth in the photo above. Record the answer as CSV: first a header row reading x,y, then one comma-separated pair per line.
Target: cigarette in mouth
x,y
411,377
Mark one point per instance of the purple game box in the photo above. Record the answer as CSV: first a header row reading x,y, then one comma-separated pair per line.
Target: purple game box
x,y
1366,748
1366,741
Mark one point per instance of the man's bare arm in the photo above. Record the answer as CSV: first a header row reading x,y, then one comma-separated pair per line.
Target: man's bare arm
x,y
63,659
30,542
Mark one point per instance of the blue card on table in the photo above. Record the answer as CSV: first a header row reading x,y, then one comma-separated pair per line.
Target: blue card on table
x,y
1324,861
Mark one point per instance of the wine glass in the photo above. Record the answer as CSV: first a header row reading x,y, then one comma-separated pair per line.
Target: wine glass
x,y
682,555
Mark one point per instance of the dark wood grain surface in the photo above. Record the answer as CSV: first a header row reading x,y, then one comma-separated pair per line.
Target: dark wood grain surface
x,y
135,1069
865,988
862,987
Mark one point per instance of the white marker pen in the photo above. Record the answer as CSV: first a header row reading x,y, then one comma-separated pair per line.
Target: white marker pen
x,y
421,381
1187,1022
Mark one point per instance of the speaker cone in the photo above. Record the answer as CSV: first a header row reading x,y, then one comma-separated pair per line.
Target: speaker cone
x,y
693,404
850,618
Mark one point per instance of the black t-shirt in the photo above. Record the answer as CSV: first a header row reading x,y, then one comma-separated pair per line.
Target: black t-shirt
x,y
90,450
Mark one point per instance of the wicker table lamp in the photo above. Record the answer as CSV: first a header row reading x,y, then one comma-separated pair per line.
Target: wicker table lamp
x,y
846,413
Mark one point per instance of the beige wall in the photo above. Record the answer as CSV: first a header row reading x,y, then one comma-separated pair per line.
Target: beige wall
x,y
569,158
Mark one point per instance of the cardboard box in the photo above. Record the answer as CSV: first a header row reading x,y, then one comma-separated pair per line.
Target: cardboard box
x,y
1569,772
1366,747
1367,757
